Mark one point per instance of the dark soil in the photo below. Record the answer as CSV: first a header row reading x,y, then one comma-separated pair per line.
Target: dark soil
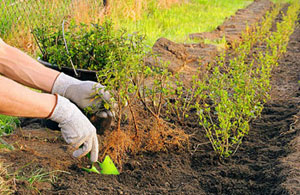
x,y
267,162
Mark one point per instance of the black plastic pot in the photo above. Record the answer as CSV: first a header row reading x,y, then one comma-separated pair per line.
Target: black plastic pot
x,y
83,74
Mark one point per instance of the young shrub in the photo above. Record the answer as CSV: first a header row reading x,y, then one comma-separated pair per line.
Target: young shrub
x,y
86,46
122,77
138,96
155,94
181,99
236,90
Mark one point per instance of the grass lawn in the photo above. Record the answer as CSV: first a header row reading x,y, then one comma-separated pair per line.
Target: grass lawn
x,y
174,21
180,20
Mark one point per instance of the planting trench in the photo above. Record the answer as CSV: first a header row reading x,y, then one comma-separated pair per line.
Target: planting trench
x,y
267,162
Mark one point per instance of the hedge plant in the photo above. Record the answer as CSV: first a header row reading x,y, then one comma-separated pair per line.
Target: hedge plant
x,y
86,46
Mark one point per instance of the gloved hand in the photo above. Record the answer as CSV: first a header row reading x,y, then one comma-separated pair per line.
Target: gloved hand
x,y
76,129
82,93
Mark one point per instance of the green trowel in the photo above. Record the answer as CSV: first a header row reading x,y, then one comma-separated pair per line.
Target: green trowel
x,y
107,167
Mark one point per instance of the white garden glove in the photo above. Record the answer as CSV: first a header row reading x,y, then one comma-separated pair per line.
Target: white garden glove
x,y
82,93
76,129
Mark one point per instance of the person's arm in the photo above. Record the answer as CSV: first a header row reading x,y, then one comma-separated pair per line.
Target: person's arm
x,y
17,100
23,69
20,67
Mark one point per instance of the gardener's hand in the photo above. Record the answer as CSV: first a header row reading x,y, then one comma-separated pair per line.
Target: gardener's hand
x,y
87,93
83,93
76,128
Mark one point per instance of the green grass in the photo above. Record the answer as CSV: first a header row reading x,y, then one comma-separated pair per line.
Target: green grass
x,y
8,124
178,22
4,21
36,175
282,1
175,23
17,15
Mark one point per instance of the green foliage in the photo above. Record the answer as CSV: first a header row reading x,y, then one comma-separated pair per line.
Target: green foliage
x,y
227,98
130,81
157,91
37,175
178,21
8,124
124,72
235,91
181,99
149,17
17,16
137,91
88,46
5,24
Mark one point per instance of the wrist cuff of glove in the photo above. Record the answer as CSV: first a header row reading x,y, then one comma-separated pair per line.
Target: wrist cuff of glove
x,y
63,110
56,98
62,82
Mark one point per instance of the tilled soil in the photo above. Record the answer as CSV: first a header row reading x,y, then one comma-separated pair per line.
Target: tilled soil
x,y
267,162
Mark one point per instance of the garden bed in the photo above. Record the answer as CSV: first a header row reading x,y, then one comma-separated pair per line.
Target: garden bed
x,y
261,166
266,162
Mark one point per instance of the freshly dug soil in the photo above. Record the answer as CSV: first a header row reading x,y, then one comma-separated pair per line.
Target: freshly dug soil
x,y
267,162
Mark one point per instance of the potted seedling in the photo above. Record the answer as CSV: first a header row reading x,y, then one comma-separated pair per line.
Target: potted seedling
x,y
83,50
77,50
